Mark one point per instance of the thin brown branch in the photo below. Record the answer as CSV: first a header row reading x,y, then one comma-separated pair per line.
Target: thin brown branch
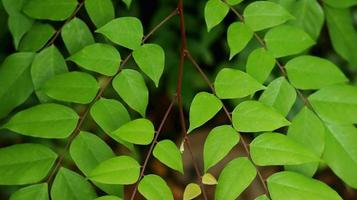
x,y
179,93
147,157
244,143
84,115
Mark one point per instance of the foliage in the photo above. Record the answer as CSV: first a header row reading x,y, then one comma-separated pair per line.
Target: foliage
x,y
286,106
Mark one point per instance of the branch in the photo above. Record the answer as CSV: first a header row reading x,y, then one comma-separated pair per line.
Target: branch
x,y
179,93
84,115
244,143
152,147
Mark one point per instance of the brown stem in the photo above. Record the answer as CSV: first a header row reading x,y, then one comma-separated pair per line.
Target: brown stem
x,y
244,143
152,147
83,116
179,93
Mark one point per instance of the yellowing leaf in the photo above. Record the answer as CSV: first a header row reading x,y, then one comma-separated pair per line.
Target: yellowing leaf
x,y
192,191
209,179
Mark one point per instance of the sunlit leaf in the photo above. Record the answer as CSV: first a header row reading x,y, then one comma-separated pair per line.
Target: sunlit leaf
x,y
129,37
254,116
25,163
131,87
118,170
218,144
167,152
45,121
236,176
205,103
76,87
278,149
232,83
153,187
98,57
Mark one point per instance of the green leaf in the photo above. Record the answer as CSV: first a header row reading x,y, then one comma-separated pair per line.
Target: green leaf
x,y
98,57
100,11
218,144
209,179
264,14
309,16
76,87
206,103
50,9
151,60
46,64
310,72
215,11
76,35
238,36
262,197
278,149
299,187
109,114
260,63
307,129
36,37
254,116
342,32
13,6
15,81
19,24
139,131
192,191
153,187
131,87
167,152
118,170
279,95
340,4
38,192
108,197
233,2
129,37
336,104
287,40
232,83
340,152
22,164
236,176
87,158
45,121
72,186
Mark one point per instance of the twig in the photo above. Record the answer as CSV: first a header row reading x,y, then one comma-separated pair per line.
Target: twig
x,y
179,93
152,147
